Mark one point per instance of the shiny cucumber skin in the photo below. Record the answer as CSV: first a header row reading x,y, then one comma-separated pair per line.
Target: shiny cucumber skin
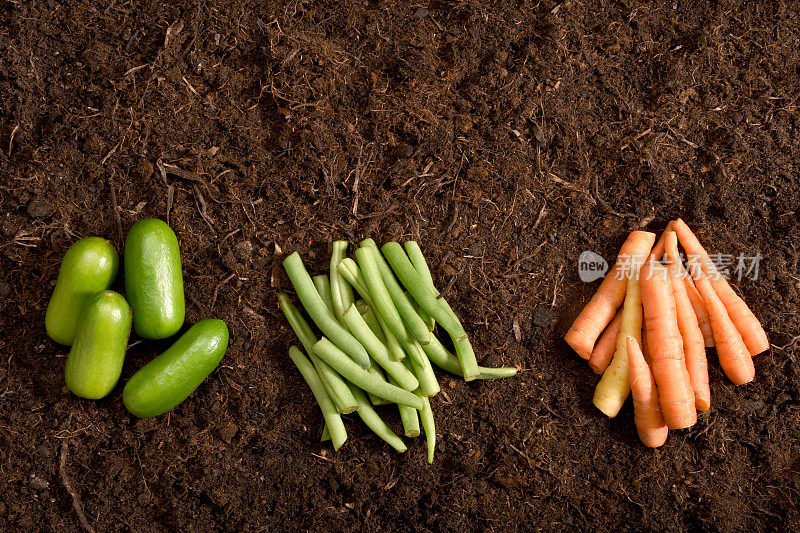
x,y
95,361
89,266
154,280
170,378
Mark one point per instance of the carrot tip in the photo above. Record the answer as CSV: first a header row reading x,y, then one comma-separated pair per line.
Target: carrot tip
x,y
656,438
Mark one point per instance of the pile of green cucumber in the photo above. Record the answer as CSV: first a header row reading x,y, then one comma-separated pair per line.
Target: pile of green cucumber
x,y
377,318
96,322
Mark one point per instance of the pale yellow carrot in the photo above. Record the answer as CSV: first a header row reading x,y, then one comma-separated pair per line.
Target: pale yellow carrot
x,y
614,386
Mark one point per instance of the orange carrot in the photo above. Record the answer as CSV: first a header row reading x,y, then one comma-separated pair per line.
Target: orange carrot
x,y
697,302
699,309
693,345
609,296
666,347
658,249
604,349
646,410
742,317
734,357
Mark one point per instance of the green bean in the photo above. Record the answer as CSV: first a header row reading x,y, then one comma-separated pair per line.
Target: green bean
x,y
421,266
384,308
413,282
441,357
382,302
422,369
360,377
410,420
375,370
428,426
319,312
396,351
381,331
378,350
341,292
370,320
374,422
323,286
383,305
415,325
409,417
326,433
350,270
333,382
430,323
333,420
497,373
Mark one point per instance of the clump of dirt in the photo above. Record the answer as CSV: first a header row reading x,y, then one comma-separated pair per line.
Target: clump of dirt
x,y
506,138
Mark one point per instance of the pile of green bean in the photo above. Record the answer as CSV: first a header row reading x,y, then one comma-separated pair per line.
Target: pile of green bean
x,y
377,315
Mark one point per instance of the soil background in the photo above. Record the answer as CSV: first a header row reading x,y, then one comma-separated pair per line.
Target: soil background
x,y
506,137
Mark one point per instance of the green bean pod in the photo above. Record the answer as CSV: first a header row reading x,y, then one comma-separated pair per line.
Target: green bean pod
x,y
341,292
409,416
411,319
95,361
428,425
378,350
334,385
421,266
154,280
323,285
359,377
89,266
333,420
374,422
170,378
440,312
441,357
318,311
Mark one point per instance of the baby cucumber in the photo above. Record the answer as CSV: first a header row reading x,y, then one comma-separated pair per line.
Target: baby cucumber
x,y
171,377
89,266
95,361
153,279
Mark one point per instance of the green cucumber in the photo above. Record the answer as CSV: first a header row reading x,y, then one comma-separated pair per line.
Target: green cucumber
x,y
89,266
95,361
153,279
171,377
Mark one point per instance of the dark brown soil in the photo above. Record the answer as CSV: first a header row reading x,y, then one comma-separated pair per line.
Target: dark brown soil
x,y
506,137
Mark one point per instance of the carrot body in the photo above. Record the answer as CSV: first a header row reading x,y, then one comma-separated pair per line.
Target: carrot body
x,y
697,302
734,356
646,410
604,349
694,347
676,396
609,296
754,336
614,386
699,307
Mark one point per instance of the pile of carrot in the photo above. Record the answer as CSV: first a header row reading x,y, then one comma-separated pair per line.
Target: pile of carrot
x,y
647,328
